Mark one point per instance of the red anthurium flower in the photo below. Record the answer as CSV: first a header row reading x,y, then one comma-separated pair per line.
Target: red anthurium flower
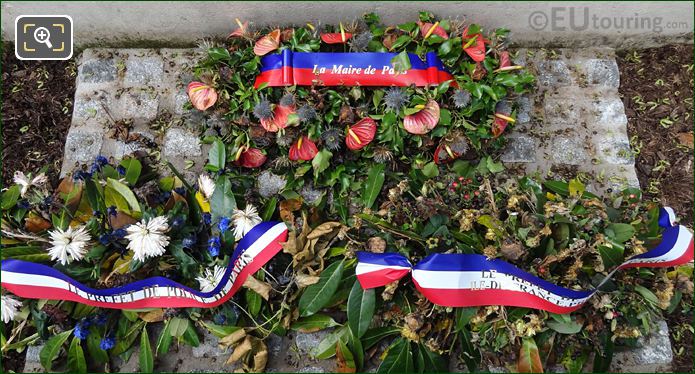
x,y
500,123
360,134
474,45
281,114
242,31
451,148
506,63
336,37
267,43
251,158
427,29
424,120
303,149
201,95
444,154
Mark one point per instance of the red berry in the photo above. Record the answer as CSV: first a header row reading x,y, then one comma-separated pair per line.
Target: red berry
x,y
461,179
632,196
466,196
455,184
476,193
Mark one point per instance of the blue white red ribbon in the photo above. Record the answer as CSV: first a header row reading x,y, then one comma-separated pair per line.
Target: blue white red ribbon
x,y
255,249
349,69
460,280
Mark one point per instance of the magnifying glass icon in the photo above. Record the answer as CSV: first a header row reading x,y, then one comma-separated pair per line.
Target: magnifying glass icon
x,y
42,35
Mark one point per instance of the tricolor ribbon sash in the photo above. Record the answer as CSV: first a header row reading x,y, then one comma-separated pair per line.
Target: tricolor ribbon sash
x,y
255,249
460,280
348,69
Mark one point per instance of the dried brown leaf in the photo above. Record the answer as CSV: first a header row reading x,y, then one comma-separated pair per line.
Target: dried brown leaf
x,y
156,315
686,139
241,350
258,286
304,280
232,338
35,223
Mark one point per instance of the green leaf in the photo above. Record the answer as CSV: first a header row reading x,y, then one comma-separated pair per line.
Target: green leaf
x,y
321,162
316,296
620,232
494,167
313,323
346,355
50,351
218,53
375,180
164,340
178,326
76,361
430,170
401,62
222,202
97,354
253,302
611,256
430,361
565,327
463,316
133,168
373,336
219,331
146,357
469,351
647,295
119,193
360,309
10,197
326,347
529,357
217,156
190,336
399,358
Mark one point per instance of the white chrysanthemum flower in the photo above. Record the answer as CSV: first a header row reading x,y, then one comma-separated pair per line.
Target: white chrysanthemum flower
x,y
206,186
210,279
69,245
147,238
24,181
10,305
245,220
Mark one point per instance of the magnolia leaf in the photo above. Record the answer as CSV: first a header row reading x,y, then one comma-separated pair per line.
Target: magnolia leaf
x,y
529,357
76,361
164,340
373,336
375,180
399,358
10,197
360,309
345,361
314,323
146,358
178,326
217,156
133,168
321,162
430,362
317,296
222,202
326,347
51,349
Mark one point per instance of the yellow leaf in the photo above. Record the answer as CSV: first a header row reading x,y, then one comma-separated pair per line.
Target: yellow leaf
x,y
204,204
156,315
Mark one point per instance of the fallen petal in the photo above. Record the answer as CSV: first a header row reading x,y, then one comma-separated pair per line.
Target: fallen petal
x,y
360,134
423,121
201,95
267,43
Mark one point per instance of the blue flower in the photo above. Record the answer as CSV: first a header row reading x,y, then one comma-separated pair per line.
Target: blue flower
x,y
101,319
180,190
189,241
81,175
214,245
121,170
178,221
95,168
105,239
207,218
111,211
224,224
23,204
119,233
81,330
48,200
107,343
96,213
163,197
101,160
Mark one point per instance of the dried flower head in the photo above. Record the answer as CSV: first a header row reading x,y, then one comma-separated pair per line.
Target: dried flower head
x,y
395,98
461,98
306,113
332,139
263,110
360,43
270,184
287,100
382,155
